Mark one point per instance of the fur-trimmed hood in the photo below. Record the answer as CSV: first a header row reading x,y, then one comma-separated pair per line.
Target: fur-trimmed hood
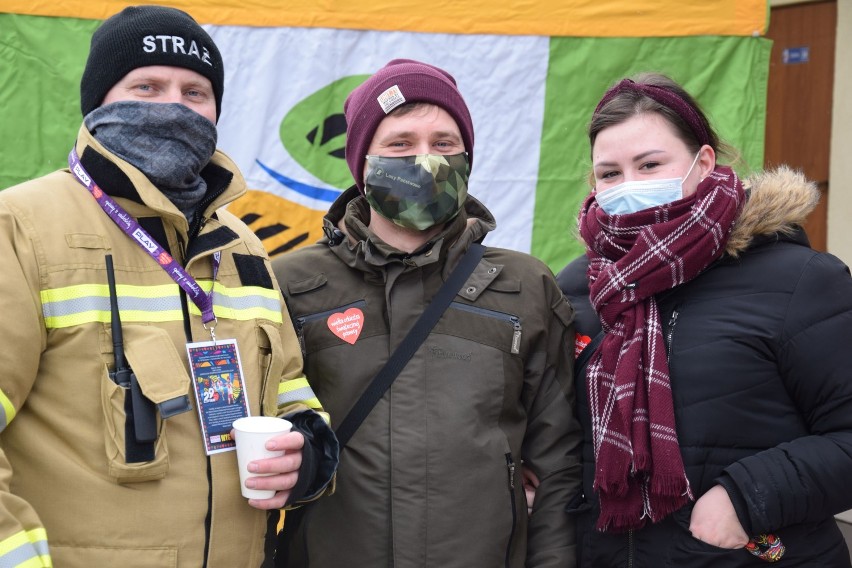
x,y
779,200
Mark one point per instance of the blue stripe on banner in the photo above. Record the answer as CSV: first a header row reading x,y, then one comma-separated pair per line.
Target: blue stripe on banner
x,y
320,193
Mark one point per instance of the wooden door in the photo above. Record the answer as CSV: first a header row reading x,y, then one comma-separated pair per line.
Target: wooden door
x,y
798,113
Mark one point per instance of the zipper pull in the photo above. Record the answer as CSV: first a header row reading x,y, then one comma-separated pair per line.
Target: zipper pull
x,y
670,334
673,319
516,336
510,464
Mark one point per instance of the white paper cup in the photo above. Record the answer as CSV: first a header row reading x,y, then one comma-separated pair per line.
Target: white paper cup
x,y
251,434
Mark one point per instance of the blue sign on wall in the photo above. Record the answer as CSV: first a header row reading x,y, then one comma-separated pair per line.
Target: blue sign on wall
x,y
795,55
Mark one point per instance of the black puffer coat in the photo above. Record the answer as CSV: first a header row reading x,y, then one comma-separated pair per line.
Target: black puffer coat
x,y
760,348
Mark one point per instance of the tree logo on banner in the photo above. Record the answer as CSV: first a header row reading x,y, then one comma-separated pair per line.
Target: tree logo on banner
x,y
313,132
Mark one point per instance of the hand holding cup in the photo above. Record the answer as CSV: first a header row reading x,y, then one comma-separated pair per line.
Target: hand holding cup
x,y
252,434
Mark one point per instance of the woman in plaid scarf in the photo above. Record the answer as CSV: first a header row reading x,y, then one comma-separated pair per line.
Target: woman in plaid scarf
x,y
718,398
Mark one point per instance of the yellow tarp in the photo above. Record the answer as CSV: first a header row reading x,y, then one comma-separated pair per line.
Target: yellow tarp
x,y
578,18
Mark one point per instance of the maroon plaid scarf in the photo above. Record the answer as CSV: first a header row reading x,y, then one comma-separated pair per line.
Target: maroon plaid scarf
x,y
639,472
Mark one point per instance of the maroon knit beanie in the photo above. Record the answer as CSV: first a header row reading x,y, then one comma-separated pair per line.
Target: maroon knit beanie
x,y
400,81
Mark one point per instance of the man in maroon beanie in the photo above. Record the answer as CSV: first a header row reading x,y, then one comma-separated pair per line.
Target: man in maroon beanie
x,y
431,471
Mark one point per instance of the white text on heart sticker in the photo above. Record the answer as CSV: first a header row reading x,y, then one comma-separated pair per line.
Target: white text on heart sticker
x,y
347,326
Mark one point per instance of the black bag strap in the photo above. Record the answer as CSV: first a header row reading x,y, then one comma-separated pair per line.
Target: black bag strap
x,y
416,335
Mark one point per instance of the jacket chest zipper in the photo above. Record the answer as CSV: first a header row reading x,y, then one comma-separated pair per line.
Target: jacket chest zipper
x,y
510,466
670,334
208,518
200,221
184,299
307,318
514,320
630,548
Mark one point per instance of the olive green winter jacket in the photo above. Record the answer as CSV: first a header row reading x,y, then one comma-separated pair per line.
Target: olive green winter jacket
x,y
433,475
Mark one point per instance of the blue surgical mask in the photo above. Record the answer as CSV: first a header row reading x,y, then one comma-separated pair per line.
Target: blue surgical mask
x,y
632,196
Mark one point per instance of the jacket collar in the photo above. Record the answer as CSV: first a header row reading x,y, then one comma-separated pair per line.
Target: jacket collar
x,y
346,226
121,180
778,203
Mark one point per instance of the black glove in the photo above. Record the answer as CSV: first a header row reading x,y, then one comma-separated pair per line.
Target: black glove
x,y
320,456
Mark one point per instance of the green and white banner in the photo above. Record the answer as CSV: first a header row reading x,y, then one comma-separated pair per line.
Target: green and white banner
x,y
530,96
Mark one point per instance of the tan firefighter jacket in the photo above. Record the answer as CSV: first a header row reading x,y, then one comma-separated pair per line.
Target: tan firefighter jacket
x,y
67,495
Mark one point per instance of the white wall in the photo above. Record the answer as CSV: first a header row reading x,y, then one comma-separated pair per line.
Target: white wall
x,y
840,171
840,161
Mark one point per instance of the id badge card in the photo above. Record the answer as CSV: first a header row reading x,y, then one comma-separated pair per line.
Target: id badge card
x,y
217,376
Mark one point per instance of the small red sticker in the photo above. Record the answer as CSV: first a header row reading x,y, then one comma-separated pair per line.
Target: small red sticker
x,y
347,325
580,343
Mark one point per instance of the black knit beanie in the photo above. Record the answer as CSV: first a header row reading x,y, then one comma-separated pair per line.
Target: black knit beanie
x,y
140,36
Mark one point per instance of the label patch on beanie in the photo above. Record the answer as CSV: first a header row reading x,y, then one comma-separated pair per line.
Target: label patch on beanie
x,y
175,44
391,99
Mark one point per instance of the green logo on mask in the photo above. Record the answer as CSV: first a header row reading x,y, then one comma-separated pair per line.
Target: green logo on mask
x,y
314,132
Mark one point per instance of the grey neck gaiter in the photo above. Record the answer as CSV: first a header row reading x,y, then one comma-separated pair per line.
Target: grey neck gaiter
x,y
168,142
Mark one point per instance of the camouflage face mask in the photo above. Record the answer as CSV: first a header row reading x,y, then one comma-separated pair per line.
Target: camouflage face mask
x,y
417,192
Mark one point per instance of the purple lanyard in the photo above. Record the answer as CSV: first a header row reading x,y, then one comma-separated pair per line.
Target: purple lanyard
x,y
135,231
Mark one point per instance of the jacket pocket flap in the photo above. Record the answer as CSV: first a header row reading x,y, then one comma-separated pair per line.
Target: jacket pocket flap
x,y
486,276
86,241
308,284
158,367
506,285
565,312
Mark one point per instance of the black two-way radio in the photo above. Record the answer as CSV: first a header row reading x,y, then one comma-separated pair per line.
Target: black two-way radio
x,y
144,412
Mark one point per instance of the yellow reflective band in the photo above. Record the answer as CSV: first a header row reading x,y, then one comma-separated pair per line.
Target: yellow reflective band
x,y
291,385
8,410
244,291
312,403
243,303
26,549
297,391
102,290
89,303
104,316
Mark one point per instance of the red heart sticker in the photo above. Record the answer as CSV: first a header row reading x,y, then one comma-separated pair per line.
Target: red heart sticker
x,y
580,343
347,325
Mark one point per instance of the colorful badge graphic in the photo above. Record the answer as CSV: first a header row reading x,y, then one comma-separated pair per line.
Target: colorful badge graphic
x,y
347,325
218,380
766,547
